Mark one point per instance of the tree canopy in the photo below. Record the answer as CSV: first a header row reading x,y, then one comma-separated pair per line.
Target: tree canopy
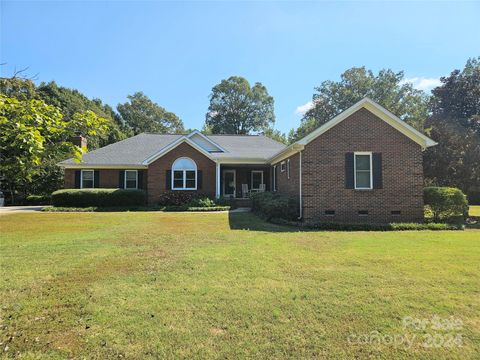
x,y
34,134
141,114
455,125
237,108
387,88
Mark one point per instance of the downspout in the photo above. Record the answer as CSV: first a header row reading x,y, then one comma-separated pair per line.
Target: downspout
x,y
300,187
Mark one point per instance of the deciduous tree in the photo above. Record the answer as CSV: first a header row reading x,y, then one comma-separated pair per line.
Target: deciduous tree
x,y
141,114
388,88
237,108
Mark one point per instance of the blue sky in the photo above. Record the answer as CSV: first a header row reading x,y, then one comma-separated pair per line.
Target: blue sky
x,y
176,52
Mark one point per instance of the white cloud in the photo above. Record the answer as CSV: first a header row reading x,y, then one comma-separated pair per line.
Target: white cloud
x,y
422,83
302,109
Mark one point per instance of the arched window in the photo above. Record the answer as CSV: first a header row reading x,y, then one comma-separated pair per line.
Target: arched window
x,y
184,174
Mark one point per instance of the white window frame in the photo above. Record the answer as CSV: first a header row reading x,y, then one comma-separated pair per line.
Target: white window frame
x,y
282,166
184,175
369,153
125,179
288,169
251,179
93,178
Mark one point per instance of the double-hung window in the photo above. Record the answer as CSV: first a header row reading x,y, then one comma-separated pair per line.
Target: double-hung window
x,y
131,179
87,180
363,170
184,171
257,179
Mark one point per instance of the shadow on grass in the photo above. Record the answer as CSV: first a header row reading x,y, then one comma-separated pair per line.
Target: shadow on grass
x,y
249,221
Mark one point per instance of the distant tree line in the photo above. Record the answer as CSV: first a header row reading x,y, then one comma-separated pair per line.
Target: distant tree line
x,y
451,116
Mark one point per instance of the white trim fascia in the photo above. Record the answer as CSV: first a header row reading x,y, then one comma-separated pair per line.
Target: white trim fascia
x,y
196,132
239,161
81,166
172,146
380,112
285,153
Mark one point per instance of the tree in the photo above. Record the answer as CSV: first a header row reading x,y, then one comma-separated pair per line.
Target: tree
x,y
455,125
33,135
237,108
141,114
386,88
276,135
71,101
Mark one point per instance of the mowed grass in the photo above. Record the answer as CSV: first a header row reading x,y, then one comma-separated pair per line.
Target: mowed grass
x,y
474,210
175,285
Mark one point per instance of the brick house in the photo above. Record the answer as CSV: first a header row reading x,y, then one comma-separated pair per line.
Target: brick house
x,y
364,165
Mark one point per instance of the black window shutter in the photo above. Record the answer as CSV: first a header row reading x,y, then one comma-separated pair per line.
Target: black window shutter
x,y
168,180
140,179
199,179
121,179
96,179
349,176
377,170
78,174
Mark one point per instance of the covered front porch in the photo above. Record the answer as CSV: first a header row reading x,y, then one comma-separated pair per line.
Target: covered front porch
x,y
236,181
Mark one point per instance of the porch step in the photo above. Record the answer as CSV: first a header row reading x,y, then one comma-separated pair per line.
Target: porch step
x,y
240,203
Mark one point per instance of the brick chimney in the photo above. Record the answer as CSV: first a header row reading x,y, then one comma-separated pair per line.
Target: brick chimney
x,y
79,140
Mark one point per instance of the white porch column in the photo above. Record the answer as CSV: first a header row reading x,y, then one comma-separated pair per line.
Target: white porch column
x,y
217,182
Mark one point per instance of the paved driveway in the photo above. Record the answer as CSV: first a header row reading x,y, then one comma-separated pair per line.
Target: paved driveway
x,y
5,210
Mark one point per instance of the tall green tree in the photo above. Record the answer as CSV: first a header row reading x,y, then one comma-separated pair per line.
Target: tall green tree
x,y
72,101
237,108
34,135
388,88
455,125
141,114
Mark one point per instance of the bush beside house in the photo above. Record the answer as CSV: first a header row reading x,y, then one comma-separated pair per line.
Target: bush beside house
x,y
274,206
446,204
98,197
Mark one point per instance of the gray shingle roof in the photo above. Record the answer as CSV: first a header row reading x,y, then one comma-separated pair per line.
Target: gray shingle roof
x,y
135,150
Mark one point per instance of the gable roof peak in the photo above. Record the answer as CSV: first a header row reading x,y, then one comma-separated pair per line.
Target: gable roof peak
x,y
380,112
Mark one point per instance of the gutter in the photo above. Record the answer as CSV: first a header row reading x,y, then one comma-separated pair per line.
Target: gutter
x,y
287,152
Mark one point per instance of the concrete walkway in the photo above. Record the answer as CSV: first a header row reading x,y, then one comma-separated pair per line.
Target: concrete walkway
x,y
5,210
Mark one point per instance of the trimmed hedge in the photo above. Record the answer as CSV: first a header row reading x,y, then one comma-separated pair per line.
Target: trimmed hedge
x,y
133,208
328,226
270,205
178,198
446,204
38,200
98,197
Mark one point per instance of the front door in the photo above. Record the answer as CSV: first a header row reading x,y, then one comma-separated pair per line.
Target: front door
x,y
229,183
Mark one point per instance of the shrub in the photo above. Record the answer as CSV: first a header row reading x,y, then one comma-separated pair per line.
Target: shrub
x,y
202,202
383,227
98,197
178,198
38,200
271,205
446,203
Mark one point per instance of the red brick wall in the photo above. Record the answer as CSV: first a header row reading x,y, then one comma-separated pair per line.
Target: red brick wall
x,y
108,178
285,185
323,164
157,171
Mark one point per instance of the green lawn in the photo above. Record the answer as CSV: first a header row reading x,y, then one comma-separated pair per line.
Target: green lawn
x,y
174,285
474,210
